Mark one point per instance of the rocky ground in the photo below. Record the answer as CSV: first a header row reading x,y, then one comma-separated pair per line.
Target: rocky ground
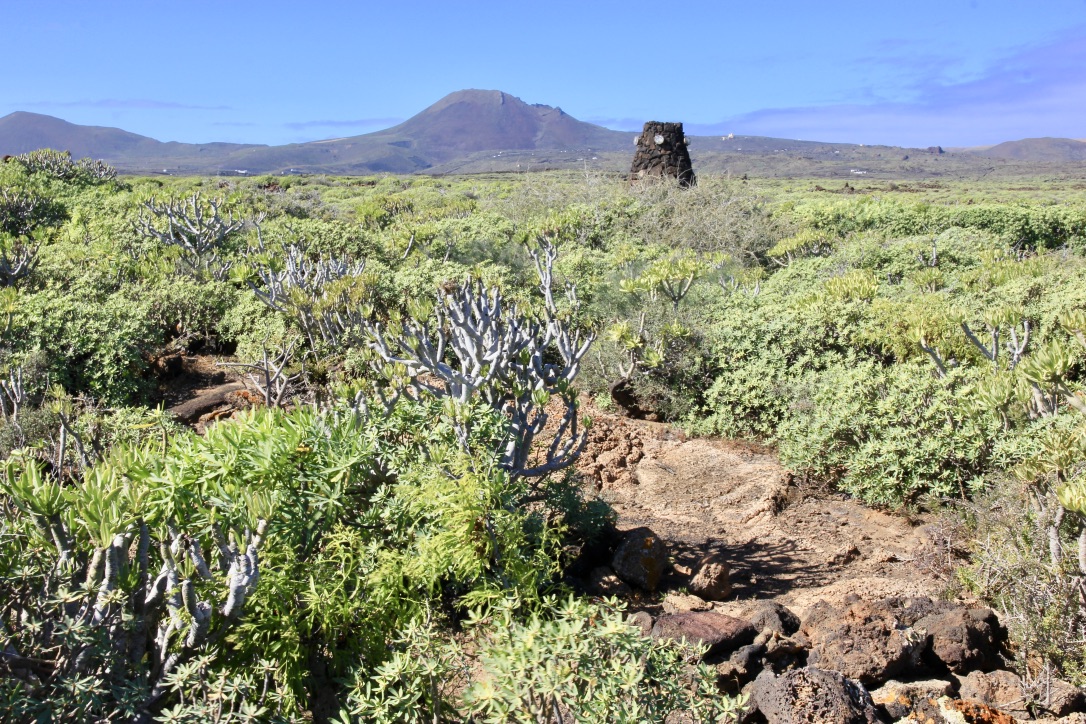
x,y
782,543
817,608
197,390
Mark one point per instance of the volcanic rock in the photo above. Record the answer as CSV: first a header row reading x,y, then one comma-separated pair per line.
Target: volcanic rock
x,y
719,632
812,695
662,152
641,558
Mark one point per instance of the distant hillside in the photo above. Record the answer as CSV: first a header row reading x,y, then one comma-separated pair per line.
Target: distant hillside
x,y
482,131
22,132
1053,150
452,131
487,120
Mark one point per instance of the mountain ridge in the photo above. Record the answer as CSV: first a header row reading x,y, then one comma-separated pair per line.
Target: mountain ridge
x,y
23,131
475,130
1037,149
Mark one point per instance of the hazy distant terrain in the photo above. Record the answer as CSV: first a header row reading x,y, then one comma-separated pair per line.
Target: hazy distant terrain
x,y
478,131
1053,150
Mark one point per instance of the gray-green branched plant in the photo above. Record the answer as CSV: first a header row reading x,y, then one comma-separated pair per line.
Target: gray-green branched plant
x,y
1047,370
1056,473
271,374
299,272
17,261
637,352
95,169
45,160
21,216
196,226
996,322
807,242
13,396
65,409
101,611
670,277
471,345
300,288
22,213
59,164
747,280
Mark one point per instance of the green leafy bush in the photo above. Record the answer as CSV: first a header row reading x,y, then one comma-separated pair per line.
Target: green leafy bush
x,y
887,436
570,661
362,535
1033,226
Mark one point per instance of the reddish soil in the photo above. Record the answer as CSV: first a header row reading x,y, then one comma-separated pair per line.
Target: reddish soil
x,y
195,390
783,543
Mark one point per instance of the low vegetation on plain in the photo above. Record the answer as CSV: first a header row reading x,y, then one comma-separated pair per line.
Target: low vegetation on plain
x,y
383,535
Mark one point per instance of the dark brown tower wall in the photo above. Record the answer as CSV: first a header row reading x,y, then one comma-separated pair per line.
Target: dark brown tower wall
x,y
661,151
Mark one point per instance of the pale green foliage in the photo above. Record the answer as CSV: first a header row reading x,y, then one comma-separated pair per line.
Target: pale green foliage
x,y
1047,369
585,664
807,242
887,437
856,285
929,280
417,684
669,277
569,661
1039,226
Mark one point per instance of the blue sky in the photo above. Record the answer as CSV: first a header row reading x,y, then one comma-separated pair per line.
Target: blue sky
x,y
914,73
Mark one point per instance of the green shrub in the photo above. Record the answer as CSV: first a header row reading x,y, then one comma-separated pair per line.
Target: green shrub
x,y
887,436
761,346
95,345
369,523
1033,226
570,661
1010,568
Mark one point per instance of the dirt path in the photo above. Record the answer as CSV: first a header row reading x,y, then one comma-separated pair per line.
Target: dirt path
x,y
195,390
783,543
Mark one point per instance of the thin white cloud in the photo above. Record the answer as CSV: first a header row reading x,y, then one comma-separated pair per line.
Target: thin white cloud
x,y
1037,91
618,124
357,123
125,104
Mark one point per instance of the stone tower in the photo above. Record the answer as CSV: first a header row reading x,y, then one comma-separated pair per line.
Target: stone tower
x,y
661,151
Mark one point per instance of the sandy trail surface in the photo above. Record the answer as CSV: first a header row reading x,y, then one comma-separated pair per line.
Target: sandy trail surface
x,y
783,542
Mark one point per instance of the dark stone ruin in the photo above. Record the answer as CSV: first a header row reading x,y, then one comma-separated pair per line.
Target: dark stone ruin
x,y
661,151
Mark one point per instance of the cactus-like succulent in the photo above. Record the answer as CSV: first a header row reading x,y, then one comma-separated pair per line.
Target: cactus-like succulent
x,y
103,580
857,285
928,279
198,227
59,164
1046,369
670,277
475,346
808,242
999,393
316,293
13,395
1010,320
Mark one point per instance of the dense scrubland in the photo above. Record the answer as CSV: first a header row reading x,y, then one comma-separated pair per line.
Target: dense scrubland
x,y
383,536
